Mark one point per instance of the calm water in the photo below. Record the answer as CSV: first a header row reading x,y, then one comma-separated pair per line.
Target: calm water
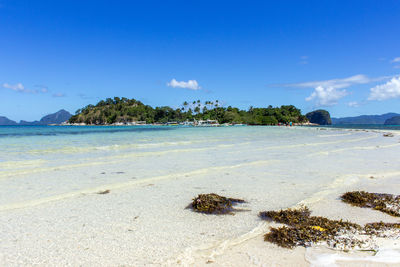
x,y
365,126
21,143
21,131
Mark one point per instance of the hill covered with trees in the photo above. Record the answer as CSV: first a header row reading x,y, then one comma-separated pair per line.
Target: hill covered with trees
x,y
124,110
320,116
393,121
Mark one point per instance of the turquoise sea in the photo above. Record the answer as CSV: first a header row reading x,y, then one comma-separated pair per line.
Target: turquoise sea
x,y
20,131
364,126
33,142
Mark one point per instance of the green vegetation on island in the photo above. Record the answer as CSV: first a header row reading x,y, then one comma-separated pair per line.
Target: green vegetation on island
x,y
124,110
320,116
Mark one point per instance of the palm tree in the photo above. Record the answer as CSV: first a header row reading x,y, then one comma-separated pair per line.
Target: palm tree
x,y
184,105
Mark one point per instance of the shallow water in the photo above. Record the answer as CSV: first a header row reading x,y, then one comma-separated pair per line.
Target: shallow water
x,y
50,176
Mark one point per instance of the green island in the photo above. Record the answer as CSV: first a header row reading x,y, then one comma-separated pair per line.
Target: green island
x,y
128,111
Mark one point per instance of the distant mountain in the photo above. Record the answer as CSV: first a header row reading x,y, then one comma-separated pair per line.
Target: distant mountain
x,y
22,122
6,121
320,116
393,121
365,119
54,118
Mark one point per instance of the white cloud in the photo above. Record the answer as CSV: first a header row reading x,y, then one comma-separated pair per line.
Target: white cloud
x,y
396,59
16,87
390,89
353,104
328,92
191,84
326,96
19,87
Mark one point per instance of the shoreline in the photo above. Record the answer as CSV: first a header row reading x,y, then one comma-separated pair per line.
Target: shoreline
x,y
181,124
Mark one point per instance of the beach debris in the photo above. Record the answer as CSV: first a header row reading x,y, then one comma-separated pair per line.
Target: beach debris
x,y
388,135
382,229
213,203
302,229
103,192
387,203
305,230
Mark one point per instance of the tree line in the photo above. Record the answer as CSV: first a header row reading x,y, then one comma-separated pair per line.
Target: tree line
x,y
124,110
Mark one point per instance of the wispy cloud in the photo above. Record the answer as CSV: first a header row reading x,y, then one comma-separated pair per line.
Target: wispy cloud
x,y
303,60
191,84
84,96
42,88
353,104
20,88
396,60
58,95
388,90
338,83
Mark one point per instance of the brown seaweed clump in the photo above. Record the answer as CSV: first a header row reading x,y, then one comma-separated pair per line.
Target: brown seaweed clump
x,y
387,203
388,135
213,203
382,229
305,230
103,192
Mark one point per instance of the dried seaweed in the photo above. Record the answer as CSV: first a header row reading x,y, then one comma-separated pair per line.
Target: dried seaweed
x,y
213,203
378,228
387,203
304,230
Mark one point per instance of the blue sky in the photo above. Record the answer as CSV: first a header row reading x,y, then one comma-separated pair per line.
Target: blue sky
x,y
343,56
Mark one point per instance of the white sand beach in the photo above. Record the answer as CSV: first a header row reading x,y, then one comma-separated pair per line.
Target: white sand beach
x,y
52,215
